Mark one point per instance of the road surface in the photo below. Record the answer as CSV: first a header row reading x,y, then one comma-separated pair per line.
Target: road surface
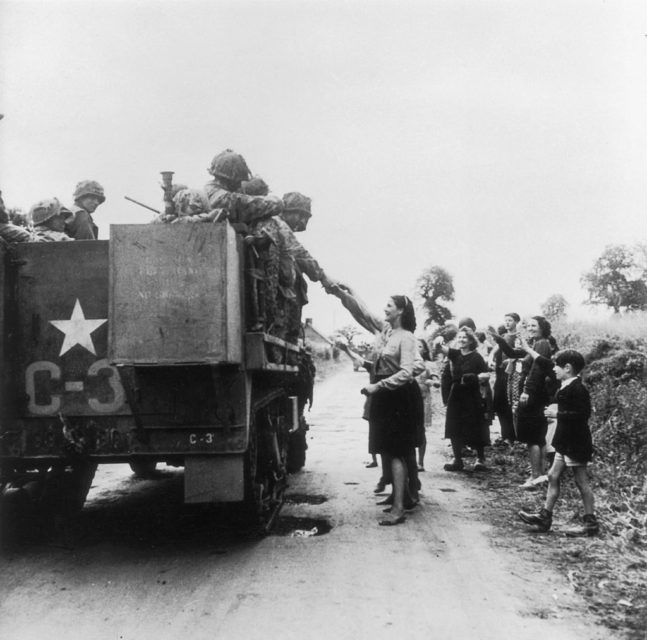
x,y
148,567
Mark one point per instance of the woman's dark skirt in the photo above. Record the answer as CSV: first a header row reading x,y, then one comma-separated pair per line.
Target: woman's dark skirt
x,y
465,417
532,424
396,418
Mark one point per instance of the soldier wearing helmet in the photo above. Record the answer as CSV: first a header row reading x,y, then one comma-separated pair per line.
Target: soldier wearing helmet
x,y
296,210
293,261
231,189
88,195
296,214
48,218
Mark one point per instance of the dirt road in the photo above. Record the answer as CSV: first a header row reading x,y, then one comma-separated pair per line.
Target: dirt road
x,y
147,567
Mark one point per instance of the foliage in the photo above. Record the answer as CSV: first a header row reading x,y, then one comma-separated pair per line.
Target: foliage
x,y
617,278
348,332
435,285
554,307
18,217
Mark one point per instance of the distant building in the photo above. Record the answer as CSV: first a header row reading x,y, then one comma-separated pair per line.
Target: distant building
x,y
319,344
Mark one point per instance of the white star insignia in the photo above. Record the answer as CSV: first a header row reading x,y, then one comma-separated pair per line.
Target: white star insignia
x,y
77,330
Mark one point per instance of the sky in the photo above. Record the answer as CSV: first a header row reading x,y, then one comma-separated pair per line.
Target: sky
x,y
502,140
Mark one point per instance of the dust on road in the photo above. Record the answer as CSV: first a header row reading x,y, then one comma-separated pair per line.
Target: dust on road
x,y
149,567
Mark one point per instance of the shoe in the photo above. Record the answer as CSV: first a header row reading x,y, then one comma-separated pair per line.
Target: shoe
x,y
380,487
541,521
590,527
529,485
454,466
387,500
371,465
420,468
479,465
390,522
540,480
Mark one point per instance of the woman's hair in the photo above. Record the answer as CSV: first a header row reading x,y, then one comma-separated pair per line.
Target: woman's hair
x,y
473,342
408,317
424,349
467,322
544,326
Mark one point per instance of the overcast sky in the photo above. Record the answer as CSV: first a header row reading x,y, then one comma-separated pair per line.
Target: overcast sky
x,y
503,140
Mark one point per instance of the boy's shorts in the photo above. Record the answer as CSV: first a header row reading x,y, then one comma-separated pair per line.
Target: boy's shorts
x,y
569,462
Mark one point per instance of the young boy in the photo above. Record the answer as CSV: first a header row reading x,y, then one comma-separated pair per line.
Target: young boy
x,y
572,441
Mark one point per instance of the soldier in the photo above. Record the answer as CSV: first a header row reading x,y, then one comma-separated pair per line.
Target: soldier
x,y
293,261
88,195
49,220
192,205
11,232
230,175
275,248
296,214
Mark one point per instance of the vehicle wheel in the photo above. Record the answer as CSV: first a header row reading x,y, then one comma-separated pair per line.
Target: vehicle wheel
x,y
144,469
265,474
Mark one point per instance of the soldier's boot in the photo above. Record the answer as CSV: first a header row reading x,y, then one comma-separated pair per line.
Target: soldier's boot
x,y
540,522
590,527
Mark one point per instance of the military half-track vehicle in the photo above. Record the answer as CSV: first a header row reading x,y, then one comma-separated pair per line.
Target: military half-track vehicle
x,y
135,350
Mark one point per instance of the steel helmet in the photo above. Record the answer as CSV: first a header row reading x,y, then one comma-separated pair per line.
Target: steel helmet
x,y
295,201
43,210
231,166
89,188
255,187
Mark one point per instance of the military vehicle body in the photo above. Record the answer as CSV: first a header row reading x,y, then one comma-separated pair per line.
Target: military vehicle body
x,y
135,350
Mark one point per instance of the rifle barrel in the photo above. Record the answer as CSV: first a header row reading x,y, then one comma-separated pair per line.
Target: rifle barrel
x,y
141,204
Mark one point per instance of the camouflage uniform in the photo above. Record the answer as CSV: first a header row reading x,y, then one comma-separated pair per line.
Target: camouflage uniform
x,y
191,205
13,233
43,234
247,213
295,202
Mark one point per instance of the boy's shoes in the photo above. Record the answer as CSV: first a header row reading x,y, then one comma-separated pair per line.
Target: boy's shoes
x,y
590,527
540,522
479,465
532,484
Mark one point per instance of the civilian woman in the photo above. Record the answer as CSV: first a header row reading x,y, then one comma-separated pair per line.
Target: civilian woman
x,y
465,422
533,397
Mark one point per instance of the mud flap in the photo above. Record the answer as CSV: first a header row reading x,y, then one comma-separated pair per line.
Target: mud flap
x,y
214,479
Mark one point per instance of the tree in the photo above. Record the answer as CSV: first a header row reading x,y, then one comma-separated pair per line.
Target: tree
x,y
358,340
17,217
617,278
554,307
435,284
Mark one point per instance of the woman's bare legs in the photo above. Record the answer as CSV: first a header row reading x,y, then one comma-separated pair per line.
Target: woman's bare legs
x,y
399,471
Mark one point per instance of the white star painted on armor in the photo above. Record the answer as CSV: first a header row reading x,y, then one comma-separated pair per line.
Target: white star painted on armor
x,y
77,330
